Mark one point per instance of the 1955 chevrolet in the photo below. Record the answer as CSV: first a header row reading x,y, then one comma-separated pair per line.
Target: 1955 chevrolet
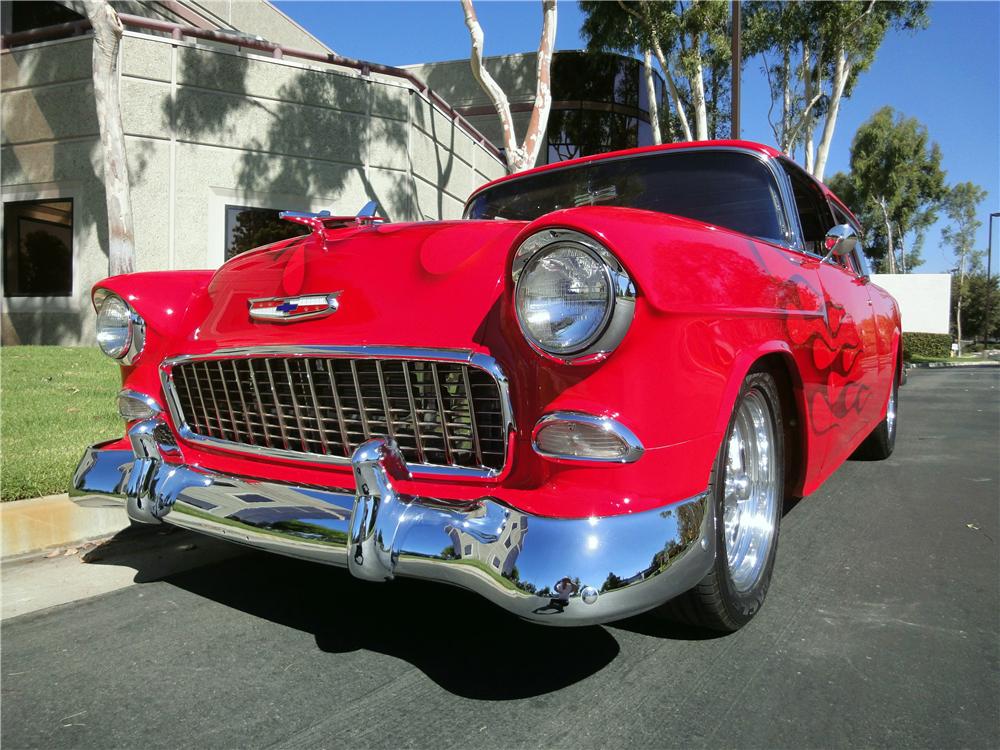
x,y
587,398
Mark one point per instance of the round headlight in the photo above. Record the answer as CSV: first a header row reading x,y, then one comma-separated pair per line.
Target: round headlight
x,y
114,327
564,298
572,297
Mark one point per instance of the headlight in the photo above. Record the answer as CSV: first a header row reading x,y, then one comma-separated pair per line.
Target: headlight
x,y
573,299
121,333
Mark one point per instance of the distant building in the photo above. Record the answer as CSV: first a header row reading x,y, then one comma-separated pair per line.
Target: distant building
x,y
600,101
220,135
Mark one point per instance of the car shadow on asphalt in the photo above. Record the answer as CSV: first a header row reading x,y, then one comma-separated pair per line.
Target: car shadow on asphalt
x,y
462,642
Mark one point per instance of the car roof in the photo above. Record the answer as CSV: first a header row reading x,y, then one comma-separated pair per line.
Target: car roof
x,y
761,148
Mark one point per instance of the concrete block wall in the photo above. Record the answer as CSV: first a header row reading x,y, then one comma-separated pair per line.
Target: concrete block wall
x,y
209,126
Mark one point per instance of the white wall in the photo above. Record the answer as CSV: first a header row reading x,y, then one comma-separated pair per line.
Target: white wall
x,y
924,299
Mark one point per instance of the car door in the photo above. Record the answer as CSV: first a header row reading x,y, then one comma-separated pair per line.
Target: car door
x,y
845,348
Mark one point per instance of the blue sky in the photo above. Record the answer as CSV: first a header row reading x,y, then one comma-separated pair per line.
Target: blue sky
x,y
947,76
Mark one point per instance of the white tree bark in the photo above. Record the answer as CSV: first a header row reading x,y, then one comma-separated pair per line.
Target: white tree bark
x,y
841,72
107,41
960,300
654,111
698,92
662,59
672,88
890,252
807,76
519,157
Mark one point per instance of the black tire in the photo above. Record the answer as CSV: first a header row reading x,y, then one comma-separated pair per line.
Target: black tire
x,y
879,445
717,603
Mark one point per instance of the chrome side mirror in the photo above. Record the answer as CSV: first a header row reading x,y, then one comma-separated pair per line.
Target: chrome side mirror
x,y
840,241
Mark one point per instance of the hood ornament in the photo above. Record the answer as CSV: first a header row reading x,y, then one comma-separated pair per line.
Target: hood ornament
x,y
294,309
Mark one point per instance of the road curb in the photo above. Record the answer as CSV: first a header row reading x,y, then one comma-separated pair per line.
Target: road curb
x,y
935,365
53,521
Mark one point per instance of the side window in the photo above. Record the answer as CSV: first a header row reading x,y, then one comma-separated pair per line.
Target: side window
x,y
815,217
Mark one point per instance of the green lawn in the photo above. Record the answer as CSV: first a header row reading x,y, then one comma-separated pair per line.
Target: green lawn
x,y
54,401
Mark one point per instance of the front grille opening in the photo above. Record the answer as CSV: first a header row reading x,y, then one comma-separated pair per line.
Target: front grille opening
x,y
439,413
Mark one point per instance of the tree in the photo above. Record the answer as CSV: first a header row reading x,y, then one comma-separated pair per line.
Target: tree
x,y
108,31
895,186
974,307
813,54
690,41
960,206
519,157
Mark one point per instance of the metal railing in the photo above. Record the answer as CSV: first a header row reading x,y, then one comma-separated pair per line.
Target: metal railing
x,y
277,51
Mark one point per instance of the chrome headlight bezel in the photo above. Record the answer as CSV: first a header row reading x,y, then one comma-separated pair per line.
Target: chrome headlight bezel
x,y
621,305
135,336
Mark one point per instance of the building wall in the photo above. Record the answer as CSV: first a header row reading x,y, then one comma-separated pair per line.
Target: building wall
x,y
206,126
924,299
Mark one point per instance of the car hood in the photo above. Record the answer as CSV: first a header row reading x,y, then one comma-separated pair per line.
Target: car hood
x,y
431,284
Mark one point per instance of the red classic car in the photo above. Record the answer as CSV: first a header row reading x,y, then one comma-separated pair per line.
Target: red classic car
x,y
588,398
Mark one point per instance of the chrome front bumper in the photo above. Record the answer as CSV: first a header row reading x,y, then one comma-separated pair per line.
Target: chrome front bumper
x,y
553,571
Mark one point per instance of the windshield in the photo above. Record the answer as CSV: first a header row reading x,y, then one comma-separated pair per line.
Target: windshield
x,y
726,188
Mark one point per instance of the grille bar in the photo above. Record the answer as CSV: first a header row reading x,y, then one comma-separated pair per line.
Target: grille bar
x,y
448,414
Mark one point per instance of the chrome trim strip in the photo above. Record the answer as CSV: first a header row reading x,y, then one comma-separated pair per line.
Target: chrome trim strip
x,y
608,424
570,572
459,356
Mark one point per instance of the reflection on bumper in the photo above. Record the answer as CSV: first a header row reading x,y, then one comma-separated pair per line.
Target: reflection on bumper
x,y
555,571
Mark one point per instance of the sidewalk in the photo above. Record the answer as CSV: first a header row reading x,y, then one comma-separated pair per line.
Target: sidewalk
x,y
53,521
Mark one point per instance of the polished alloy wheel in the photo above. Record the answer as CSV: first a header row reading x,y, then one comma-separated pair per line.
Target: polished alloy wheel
x,y
890,414
750,503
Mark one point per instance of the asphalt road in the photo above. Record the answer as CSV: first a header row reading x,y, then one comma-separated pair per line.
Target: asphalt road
x,y
881,629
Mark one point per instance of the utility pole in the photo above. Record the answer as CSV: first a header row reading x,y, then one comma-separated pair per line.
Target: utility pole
x,y
734,105
989,274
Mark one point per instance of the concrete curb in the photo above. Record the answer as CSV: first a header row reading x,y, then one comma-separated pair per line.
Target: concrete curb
x,y
53,521
935,365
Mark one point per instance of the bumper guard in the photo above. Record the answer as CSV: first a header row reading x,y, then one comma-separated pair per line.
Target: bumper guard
x,y
553,571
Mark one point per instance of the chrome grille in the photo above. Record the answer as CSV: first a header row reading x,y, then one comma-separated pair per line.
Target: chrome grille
x,y
440,413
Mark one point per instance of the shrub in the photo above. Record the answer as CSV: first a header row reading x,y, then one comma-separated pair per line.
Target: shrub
x,y
926,344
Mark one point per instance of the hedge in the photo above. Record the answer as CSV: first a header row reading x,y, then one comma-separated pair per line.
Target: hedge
x,y
926,344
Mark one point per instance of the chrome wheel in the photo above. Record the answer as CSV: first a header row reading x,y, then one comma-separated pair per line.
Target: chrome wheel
x,y
751,492
890,413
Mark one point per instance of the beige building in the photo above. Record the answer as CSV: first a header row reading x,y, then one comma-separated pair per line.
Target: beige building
x,y
221,133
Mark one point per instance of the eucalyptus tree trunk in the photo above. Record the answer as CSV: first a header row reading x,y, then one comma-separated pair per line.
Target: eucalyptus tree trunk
x,y
959,301
698,92
841,72
890,252
654,111
523,156
108,31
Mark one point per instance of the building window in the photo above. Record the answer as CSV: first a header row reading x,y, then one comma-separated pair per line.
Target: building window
x,y
248,227
38,248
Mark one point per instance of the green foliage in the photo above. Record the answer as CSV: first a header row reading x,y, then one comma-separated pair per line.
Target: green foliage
x,y
978,294
925,345
895,177
56,400
689,33
802,44
960,206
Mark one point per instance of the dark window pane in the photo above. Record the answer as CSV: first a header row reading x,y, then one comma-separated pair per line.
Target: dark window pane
x,y
35,15
38,248
729,189
247,228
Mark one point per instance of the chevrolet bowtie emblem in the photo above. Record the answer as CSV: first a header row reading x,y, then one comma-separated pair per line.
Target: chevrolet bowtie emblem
x,y
292,309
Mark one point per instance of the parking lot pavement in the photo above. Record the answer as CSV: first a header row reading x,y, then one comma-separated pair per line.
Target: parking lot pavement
x,y
880,629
